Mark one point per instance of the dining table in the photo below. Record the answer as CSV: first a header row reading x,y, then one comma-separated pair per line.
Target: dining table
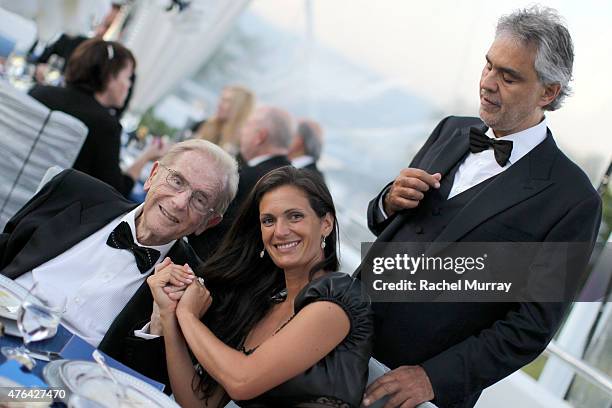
x,y
63,345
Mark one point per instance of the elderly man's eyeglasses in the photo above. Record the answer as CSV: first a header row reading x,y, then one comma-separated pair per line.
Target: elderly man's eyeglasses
x,y
198,200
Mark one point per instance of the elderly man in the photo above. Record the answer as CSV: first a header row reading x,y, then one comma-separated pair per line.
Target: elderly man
x,y
79,238
494,179
306,148
264,143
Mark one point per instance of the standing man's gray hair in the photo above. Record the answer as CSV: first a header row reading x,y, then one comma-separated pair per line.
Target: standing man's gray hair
x,y
280,127
544,28
312,135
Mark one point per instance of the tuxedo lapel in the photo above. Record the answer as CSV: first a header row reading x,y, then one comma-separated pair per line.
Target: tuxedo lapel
x,y
441,161
526,178
46,242
63,231
101,214
453,150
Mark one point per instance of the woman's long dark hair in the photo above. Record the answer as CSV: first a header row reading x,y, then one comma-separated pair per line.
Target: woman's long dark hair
x,y
242,282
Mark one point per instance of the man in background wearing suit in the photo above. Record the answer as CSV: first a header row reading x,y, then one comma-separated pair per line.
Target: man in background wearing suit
x,y
499,178
264,143
307,144
79,238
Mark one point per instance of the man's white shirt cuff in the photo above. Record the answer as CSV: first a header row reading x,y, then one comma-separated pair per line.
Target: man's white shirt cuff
x,y
381,202
144,333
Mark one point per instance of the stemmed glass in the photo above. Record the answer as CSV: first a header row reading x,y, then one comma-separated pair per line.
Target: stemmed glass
x,y
37,319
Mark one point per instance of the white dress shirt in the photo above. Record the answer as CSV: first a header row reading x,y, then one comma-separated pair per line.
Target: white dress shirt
x,y
302,161
478,167
259,159
96,279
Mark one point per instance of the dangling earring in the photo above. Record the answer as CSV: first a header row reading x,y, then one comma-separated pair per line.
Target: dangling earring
x,y
262,253
323,242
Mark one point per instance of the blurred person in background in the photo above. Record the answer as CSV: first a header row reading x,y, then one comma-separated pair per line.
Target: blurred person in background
x,y
65,45
307,145
97,81
235,105
264,143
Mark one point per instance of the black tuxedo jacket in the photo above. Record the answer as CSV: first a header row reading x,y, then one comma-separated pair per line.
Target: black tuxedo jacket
x,y
69,208
465,347
208,242
313,167
250,175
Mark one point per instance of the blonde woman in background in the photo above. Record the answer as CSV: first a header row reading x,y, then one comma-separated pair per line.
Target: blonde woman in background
x,y
235,105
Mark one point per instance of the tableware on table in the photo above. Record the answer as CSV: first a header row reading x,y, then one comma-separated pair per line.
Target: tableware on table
x,y
9,303
53,72
102,363
43,355
11,295
87,379
39,316
37,319
14,290
19,72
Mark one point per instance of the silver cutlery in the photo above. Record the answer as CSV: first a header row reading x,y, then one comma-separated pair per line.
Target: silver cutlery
x,y
102,363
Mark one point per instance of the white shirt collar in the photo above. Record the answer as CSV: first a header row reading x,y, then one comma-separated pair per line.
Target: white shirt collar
x,y
256,160
130,218
302,161
524,141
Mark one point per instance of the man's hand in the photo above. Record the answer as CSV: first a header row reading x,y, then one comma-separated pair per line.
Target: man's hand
x,y
174,293
407,386
168,283
408,189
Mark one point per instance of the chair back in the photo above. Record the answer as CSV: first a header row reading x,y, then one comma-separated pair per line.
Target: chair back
x,y
32,139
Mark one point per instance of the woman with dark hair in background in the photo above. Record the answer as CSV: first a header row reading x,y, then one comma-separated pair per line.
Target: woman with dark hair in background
x,y
97,80
284,329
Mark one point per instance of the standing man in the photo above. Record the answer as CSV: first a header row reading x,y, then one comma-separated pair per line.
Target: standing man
x,y
307,144
498,178
264,144
79,238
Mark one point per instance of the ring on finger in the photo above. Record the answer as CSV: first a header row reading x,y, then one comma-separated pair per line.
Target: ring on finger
x,y
201,281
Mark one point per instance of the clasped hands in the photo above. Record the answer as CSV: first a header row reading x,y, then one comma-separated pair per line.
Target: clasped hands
x,y
176,290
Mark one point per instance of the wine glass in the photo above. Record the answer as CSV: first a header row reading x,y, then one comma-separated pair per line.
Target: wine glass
x,y
53,74
39,315
38,318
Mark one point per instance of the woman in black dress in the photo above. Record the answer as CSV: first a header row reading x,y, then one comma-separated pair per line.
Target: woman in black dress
x,y
98,78
284,329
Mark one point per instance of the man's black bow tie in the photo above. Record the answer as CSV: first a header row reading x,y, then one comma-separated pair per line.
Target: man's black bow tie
x,y
121,238
479,141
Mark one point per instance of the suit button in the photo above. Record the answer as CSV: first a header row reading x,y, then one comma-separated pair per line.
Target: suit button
x,y
418,229
435,211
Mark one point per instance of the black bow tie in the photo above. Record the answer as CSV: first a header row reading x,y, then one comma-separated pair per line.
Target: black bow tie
x,y
479,141
121,238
